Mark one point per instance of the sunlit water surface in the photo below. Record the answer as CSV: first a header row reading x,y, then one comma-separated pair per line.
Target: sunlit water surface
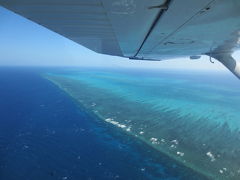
x,y
190,117
47,134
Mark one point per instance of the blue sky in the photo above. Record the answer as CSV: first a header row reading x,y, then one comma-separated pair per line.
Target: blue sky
x,y
24,43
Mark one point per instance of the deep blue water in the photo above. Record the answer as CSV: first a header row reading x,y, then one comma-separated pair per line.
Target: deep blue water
x,y
45,135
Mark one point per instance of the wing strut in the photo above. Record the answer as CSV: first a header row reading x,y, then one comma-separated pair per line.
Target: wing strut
x,y
162,8
229,62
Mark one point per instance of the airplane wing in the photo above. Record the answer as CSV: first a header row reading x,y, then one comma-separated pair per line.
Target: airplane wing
x,y
143,29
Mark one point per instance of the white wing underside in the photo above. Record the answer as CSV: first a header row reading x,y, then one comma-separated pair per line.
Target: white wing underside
x,y
140,29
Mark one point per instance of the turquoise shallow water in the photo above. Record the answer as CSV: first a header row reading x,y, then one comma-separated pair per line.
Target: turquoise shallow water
x,y
47,135
191,117
218,100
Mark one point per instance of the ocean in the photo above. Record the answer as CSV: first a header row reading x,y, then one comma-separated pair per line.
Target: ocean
x,y
101,123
